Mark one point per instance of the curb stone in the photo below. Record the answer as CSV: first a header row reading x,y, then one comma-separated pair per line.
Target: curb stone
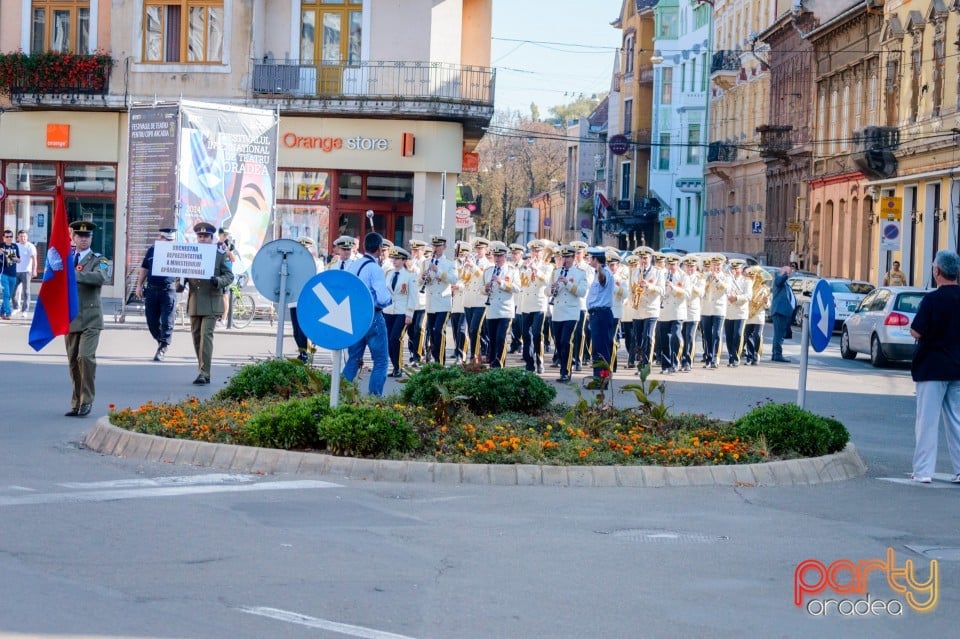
x,y
108,439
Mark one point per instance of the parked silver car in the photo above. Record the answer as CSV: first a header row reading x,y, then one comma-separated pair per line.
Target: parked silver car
x,y
881,325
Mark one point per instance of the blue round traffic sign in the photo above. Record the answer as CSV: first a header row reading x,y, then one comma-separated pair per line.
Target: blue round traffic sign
x,y
335,309
823,315
891,231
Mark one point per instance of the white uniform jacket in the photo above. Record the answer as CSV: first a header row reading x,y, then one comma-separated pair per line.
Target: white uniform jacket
x,y
652,293
471,277
742,289
533,297
715,290
404,293
697,285
570,293
501,304
590,274
440,274
676,291
621,289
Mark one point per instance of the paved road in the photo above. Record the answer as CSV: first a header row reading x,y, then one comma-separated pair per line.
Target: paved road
x,y
101,546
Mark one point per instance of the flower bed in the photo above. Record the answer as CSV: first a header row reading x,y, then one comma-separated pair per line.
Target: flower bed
x,y
441,415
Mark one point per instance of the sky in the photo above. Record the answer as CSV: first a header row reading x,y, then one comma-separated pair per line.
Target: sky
x,y
529,70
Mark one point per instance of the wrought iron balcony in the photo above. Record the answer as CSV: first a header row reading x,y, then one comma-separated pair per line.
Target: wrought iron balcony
x,y
376,80
53,77
721,152
725,68
725,61
775,140
873,150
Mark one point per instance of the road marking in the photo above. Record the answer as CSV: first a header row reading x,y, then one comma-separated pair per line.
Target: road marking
x,y
322,624
940,480
160,491
181,480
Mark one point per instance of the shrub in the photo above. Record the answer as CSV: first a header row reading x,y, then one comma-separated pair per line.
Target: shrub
x,y
289,424
500,390
791,431
273,378
494,390
423,387
366,431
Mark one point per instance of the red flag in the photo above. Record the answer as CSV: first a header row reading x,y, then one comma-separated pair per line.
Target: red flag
x,y
57,301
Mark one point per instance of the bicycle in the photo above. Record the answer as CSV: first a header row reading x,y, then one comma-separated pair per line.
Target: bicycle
x,y
242,306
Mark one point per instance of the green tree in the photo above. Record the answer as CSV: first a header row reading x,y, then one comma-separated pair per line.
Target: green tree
x,y
579,108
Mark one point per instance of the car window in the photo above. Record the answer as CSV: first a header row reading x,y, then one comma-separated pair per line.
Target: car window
x,y
860,288
881,301
840,287
866,302
908,302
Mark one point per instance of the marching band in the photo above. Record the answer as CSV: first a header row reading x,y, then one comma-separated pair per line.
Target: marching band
x,y
539,293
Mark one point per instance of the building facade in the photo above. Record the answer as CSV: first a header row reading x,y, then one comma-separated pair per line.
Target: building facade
x,y
738,102
405,90
915,144
846,57
785,137
681,77
634,217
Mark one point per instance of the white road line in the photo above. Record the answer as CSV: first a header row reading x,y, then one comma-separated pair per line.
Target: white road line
x,y
162,491
322,624
181,480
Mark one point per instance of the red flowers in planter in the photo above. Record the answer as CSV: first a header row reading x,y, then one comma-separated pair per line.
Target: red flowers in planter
x,y
55,72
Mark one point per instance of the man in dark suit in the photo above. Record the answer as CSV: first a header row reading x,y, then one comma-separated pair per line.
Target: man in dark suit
x,y
205,303
782,304
93,271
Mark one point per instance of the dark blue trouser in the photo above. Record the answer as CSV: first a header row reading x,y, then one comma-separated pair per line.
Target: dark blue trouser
x,y
733,332
159,306
644,331
395,327
671,336
689,343
498,340
436,327
710,325
458,325
602,326
415,336
476,335
780,325
531,329
563,340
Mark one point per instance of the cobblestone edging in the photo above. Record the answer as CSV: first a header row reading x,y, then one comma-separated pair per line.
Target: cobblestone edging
x,y
111,440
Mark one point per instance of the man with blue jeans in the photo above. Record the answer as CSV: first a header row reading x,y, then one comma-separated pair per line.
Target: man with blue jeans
x,y
782,304
368,270
10,255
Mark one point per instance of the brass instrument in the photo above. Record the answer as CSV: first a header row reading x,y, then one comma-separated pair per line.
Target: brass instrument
x,y
760,299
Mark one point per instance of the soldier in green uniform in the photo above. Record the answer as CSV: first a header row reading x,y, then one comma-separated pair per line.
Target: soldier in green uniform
x,y
92,272
205,303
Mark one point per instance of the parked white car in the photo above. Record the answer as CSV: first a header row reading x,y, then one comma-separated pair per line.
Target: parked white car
x,y
880,325
847,295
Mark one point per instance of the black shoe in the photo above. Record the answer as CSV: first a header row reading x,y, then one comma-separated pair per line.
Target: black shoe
x,y
713,366
84,410
576,368
160,354
782,360
201,379
685,368
73,412
564,378
540,369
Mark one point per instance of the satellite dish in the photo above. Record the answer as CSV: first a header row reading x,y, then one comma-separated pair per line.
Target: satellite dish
x,y
267,265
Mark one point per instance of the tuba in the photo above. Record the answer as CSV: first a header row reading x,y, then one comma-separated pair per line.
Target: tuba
x,y
760,300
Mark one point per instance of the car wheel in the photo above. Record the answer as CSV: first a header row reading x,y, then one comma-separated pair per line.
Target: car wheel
x,y
845,351
877,358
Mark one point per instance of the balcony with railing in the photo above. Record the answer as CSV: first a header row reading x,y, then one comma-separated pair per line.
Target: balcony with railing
x,y
56,79
721,152
724,68
396,87
775,140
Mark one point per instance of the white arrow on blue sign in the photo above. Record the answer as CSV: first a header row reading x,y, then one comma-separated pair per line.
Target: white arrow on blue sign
x,y
335,309
823,315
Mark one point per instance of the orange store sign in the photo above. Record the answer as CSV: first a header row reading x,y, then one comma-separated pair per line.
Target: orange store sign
x,y
58,136
328,144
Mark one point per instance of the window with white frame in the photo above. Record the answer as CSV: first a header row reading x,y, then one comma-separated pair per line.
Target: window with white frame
x,y
625,174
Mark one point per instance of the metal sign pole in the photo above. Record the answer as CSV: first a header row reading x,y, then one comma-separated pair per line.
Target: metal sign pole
x,y
804,347
283,299
335,378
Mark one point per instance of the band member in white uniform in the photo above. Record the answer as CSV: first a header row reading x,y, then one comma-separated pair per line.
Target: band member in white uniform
x,y
500,281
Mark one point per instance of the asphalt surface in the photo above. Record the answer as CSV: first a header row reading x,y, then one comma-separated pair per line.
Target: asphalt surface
x,y
106,547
